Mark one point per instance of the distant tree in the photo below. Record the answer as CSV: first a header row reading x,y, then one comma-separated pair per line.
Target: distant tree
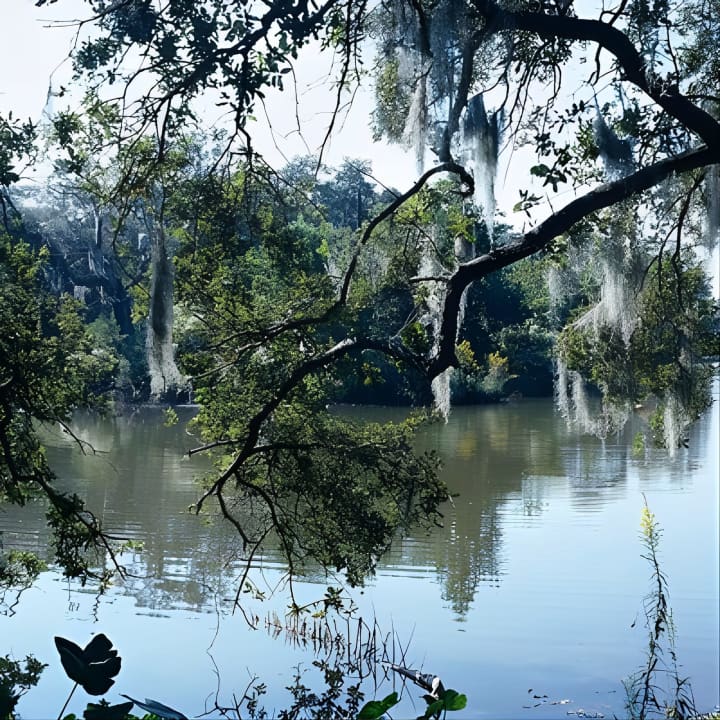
x,y
349,196
438,66
134,189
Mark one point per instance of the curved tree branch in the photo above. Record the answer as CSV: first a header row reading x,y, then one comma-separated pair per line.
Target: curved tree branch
x,y
308,367
540,237
617,44
400,200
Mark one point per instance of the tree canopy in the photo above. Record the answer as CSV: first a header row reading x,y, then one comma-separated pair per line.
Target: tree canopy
x,y
286,282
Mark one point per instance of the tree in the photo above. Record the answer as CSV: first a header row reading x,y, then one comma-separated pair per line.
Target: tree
x,y
135,189
112,248
649,152
265,363
47,369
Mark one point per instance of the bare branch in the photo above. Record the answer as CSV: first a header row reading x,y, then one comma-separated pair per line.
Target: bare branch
x,y
616,43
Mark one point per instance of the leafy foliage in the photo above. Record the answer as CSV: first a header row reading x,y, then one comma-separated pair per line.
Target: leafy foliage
x,y
330,489
92,667
664,357
47,369
15,681
16,144
374,709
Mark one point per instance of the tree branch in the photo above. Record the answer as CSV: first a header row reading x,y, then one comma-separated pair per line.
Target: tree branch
x,y
305,369
540,237
617,44
400,200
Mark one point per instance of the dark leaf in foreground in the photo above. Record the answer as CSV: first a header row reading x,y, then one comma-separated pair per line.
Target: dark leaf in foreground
x,y
94,667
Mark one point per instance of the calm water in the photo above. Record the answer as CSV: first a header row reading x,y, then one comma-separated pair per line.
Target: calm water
x,y
530,588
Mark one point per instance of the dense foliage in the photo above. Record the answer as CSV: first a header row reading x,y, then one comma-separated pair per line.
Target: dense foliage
x,y
48,369
283,291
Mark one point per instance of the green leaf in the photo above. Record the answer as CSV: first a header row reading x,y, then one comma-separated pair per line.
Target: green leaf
x,y
540,170
107,712
377,708
433,709
371,710
453,700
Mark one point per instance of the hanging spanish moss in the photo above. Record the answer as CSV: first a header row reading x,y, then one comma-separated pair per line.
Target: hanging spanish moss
x,y
712,206
610,264
580,404
617,307
617,269
416,125
481,143
419,52
480,147
572,398
166,380
435,292
675,422
615,153
591,415
562,399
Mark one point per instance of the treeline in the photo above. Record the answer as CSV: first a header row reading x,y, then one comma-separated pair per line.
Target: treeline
x,y
184,267
144,271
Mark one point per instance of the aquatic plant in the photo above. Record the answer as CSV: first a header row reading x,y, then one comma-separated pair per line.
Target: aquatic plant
x,y
657,689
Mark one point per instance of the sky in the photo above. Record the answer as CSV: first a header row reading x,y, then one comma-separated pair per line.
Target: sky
x,y
35,43
29,52
34,46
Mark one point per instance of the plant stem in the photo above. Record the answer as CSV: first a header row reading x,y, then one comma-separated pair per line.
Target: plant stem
x,y
67,701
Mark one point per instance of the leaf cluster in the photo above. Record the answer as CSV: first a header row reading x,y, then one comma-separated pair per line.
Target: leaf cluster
x,y
47,369
15,681
666,356
17,143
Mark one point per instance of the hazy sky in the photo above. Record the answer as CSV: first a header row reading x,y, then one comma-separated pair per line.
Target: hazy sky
x,y
34,44
29,52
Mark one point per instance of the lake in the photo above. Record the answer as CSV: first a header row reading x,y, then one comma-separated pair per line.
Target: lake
x,y
529,599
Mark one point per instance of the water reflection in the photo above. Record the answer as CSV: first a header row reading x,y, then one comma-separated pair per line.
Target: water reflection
x,y
538,559
136,476
503,464
490,455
